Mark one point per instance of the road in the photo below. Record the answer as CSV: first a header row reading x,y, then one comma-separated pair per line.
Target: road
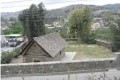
x,y
108,75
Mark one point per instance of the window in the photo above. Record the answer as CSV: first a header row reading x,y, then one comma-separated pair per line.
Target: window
x,y
36,60
60,52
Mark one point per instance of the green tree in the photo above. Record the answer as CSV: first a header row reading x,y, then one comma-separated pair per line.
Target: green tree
x,y
33,20
64,31
103,33
115,29
80,22
16,28
7,31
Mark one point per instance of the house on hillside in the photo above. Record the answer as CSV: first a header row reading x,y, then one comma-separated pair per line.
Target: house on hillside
x,y
95,26
98,23
44,48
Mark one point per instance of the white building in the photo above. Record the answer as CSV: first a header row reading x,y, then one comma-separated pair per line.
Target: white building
x,y
95,26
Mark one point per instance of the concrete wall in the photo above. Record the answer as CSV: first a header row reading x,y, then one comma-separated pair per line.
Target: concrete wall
x,y
103,43
58,67
36,53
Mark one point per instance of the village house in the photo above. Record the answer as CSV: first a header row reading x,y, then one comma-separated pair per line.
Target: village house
x,y
44,48
98,23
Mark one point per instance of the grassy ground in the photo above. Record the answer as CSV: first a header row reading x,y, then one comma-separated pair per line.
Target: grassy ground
x,y
85,51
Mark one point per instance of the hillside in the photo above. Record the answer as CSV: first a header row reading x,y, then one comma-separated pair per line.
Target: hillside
x,y
63,12
112,6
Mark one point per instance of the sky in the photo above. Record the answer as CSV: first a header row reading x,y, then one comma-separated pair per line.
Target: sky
x,y
17,5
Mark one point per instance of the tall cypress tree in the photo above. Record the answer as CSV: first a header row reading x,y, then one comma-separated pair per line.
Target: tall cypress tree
x,y
33,21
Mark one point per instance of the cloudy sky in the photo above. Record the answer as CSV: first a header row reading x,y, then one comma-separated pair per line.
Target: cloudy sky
x,y
17,5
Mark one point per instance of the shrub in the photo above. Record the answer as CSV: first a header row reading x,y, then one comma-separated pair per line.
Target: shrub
x,y
6,57
90,39
16,52
103,33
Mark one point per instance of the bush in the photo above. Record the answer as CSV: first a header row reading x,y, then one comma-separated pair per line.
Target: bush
x,y
7,31
90,39
6,57
16,52
104,34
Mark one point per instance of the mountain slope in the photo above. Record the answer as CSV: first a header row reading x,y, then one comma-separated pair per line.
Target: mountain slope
x,y
63,12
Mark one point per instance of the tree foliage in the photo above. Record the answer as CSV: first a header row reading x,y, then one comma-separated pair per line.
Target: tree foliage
x,y
115,29
80,22
103,33
16,28
64,31
33,20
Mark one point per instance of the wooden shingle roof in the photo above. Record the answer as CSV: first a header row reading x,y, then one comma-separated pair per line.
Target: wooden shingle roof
x,y
52,43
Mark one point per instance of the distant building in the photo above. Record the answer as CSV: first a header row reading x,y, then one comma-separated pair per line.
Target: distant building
x,y
65,20
4,26
49,47
56,24
97,23
95,26
7,25
49,26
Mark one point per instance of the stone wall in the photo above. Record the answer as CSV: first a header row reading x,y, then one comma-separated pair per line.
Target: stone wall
x,y
103,43
58,67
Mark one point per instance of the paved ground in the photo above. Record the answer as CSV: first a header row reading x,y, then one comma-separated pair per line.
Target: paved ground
x,y
4,49
109,75
69,56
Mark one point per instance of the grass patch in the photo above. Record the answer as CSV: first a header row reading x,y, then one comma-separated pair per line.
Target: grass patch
x,y
88,51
